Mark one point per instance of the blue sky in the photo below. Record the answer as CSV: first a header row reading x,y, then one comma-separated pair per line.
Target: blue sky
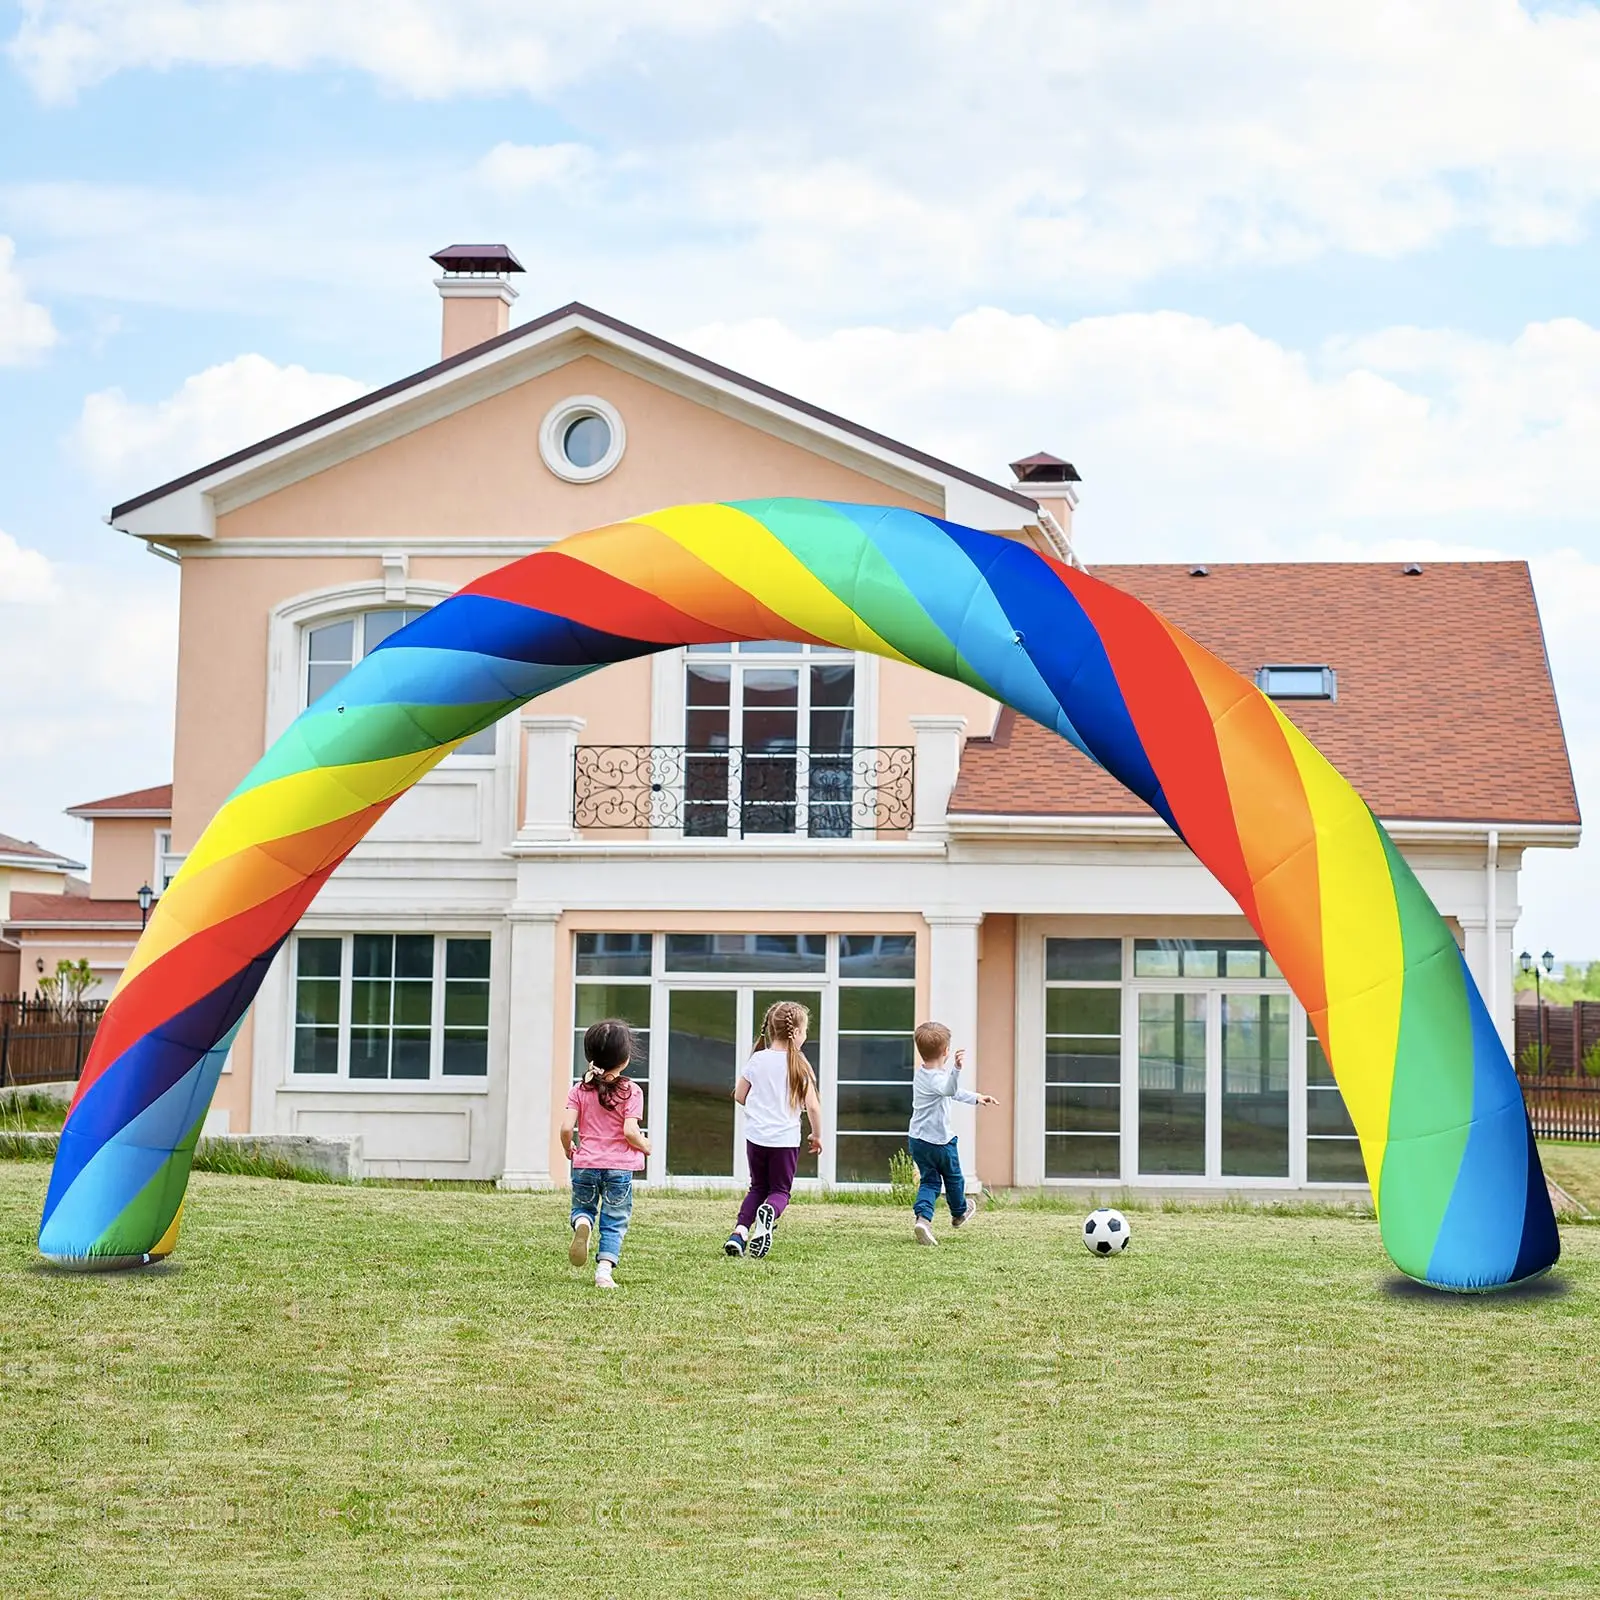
x,y
1291,281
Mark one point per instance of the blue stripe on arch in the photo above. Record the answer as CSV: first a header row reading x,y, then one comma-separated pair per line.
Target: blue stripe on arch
x,y
944,581
487,625
1065,646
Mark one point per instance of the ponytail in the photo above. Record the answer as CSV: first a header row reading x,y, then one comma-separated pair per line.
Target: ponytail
x,y
607,1046
783,1024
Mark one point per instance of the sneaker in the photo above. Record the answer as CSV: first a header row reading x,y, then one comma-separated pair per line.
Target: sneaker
x,y
761,1234
968,1214
924,1232
578,1250
734,1246
602,1276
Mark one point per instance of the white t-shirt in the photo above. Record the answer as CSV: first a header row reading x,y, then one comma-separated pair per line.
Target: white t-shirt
x,y
769,1119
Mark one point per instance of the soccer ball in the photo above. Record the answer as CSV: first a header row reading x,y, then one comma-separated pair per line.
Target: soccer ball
x,y
1105,1232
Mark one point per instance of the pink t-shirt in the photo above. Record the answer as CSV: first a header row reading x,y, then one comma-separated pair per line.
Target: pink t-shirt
x,y
600,1141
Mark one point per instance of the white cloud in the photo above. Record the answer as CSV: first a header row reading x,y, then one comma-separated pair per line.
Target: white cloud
x,y
26,330
516,168
1203,439
90,666
26,576
1031,142
135,445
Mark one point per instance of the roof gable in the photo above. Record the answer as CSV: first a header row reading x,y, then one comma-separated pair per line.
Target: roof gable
x,y
187,507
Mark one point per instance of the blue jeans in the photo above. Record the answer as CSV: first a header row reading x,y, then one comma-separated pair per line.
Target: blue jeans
x,y
938,1165
605,1196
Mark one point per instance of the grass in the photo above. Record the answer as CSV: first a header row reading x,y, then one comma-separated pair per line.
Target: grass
x,y
1576,1167
24,1112
352,1390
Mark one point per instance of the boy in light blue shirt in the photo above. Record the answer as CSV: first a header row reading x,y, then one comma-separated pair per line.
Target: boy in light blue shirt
x,y
934,1084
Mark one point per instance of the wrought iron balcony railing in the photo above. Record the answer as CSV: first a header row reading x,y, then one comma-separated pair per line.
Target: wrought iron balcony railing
x,y
721,794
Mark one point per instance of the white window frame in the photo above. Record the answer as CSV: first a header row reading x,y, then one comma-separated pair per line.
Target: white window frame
x,y
341,1082
1031,1036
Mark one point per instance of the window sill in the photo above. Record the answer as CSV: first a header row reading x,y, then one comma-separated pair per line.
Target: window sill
x,y
361,1086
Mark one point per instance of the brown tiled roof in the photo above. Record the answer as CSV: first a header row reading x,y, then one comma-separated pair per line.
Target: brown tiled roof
x,y
156,799
26,847
1445,711
56,910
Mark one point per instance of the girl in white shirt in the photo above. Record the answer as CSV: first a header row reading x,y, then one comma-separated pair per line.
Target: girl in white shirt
x,y
776,1085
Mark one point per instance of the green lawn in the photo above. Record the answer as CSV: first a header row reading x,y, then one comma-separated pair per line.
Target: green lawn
x,y
1576,1167
359,1391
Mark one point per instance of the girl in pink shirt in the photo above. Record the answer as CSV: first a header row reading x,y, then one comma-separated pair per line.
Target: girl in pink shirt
x,y
600,1134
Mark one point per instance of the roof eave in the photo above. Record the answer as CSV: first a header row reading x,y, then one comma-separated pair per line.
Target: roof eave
x,y
1403,830
186,507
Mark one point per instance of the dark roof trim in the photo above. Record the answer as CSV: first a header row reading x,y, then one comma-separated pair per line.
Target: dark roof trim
x,y
538,325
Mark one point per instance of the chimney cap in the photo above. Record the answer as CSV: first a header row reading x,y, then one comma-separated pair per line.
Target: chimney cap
x,y
1041,467
495,258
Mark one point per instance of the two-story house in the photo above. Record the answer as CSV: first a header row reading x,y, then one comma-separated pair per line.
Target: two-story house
x,y
681,839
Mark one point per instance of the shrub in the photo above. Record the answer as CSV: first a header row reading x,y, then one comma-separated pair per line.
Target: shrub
x,y
1591,1060
902,1178
1534,1058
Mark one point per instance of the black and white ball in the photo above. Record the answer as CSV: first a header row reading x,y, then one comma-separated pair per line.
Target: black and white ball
x,y
1105,1232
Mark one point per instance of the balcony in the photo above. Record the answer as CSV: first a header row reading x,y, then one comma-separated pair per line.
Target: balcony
x,y
741,793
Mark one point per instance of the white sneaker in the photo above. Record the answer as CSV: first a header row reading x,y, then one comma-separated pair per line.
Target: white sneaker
x,y
578,1250
924,1232
761,1234
602,1276
968,1214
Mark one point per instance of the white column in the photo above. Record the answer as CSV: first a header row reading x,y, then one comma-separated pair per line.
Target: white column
x,y
939,741
548,747
531,1043
953,1000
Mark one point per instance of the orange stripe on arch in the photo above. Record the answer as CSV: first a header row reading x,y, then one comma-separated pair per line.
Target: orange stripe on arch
x,y
649,559
1277,831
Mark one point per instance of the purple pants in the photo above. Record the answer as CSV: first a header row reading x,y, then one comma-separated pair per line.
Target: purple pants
x,y
771,1179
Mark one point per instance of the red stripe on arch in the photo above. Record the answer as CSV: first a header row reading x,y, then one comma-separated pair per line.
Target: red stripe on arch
x,y
1174,723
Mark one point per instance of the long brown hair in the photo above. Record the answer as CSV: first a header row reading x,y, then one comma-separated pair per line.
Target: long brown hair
x,y
607,1045
783,1024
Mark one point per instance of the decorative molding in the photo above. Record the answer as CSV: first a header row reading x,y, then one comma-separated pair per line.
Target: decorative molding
x,y
396,566
553,431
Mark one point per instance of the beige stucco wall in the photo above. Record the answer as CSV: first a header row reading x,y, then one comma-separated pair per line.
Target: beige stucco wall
x,y
28,880
996,1052
123,856
106,952
478,473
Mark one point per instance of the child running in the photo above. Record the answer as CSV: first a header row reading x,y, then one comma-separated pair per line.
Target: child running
x,y
933,1086
776,1085
603,1109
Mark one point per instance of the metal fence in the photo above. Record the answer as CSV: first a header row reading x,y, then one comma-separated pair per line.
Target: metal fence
x,y
44,1043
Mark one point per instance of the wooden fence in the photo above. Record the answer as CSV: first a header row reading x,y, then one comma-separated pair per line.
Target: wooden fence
x,y
1563,1100
42,1043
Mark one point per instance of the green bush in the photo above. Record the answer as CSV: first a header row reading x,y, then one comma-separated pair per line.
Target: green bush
x,y
902,1178
1591,1060
1534,1058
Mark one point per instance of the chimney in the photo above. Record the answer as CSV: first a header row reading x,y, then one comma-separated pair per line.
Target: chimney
x,y
1053,483
477,298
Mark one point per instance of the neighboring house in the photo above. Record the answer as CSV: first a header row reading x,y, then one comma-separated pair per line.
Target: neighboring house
x,y
828,826
98,921
27,871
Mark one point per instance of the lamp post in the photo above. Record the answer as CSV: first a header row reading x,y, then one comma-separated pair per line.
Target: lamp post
x,y
146,895
1548,962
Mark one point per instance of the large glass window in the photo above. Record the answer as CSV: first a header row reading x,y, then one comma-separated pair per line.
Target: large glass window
x,y
613,980
747,952
391,1007
1083,1059
769,731
333,648
1202,958
1333,1153
1172,1084
1255,1085
876,1060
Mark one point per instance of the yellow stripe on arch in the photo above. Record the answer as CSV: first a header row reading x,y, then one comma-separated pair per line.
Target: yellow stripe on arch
x,y
1363,954
744,550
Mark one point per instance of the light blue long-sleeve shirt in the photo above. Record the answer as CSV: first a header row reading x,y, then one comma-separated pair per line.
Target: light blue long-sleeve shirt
x,y
932,1090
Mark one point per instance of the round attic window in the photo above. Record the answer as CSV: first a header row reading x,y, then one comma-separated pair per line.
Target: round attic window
x,y
582,438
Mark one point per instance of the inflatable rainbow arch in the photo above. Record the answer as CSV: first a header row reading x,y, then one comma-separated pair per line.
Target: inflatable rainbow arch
x,y
1461,1198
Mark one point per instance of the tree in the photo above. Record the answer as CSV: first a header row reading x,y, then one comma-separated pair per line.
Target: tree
x,y
71,981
